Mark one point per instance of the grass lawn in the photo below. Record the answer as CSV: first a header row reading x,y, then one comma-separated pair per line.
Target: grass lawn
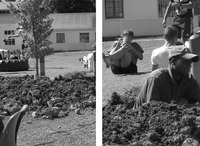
x,y
121,83
62,131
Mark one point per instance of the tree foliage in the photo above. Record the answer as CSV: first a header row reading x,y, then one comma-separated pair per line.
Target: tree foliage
x,y
35,23
73,6
33,18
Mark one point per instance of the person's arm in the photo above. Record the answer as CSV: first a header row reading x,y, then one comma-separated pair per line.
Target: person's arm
x,y
150,91
189,5
167,13
139,54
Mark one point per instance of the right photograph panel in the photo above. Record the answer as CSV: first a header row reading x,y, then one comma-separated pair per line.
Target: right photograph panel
x,y
151,72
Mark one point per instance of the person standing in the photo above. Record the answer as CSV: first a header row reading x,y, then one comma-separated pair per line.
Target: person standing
x,y
183,17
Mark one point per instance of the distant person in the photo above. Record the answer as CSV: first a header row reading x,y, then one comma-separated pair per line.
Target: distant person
x,y
183,17
88,60
159,56
174,83
124,55
23,45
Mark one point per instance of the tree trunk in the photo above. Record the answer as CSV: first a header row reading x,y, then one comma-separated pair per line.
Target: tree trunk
x,y
42,65
36,56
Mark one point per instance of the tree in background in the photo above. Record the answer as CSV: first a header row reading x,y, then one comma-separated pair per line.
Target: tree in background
x,y
73,6
33,19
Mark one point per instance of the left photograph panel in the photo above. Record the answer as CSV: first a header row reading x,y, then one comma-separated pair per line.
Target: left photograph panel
x,y
48,72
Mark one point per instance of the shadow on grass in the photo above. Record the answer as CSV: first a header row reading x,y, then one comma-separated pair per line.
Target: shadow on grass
x,y
139,73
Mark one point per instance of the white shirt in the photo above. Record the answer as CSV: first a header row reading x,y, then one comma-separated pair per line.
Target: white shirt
x,y
160,55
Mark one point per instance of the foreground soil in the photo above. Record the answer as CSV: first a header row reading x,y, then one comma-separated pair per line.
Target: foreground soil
x,y
155,123
63,107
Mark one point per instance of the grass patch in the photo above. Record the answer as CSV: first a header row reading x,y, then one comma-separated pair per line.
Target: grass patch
x,y
122,83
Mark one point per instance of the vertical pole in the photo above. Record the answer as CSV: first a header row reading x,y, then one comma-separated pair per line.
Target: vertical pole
x,y
8,55
3,55
94,64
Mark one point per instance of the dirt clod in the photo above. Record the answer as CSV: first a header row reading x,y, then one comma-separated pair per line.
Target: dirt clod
x,y
155,123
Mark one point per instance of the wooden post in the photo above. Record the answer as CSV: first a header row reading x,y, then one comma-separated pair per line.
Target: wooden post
x,y
8,55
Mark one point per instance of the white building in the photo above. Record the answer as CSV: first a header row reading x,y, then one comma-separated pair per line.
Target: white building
x,y
144,17
72,31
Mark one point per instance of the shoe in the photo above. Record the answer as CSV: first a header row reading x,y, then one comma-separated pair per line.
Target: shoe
x,y
106,60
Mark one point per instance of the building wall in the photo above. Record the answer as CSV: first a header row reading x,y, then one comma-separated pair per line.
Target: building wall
x,y
72,40
18,40
139,15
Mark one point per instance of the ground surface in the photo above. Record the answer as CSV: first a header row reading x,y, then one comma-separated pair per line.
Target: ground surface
x,y
154,123
68,132
121,83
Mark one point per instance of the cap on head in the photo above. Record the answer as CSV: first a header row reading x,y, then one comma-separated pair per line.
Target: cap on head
x,y
170,32
128,33
183,52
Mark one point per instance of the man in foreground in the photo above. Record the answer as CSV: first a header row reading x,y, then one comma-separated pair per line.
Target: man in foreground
x,y
174,83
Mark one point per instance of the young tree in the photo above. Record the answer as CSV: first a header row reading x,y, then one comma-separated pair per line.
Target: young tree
x,y
33,19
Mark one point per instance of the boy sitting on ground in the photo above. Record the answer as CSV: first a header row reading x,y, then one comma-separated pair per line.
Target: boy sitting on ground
x,y
124,55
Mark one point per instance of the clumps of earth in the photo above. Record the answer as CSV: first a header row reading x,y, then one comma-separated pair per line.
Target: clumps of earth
x,y
48,98
155,123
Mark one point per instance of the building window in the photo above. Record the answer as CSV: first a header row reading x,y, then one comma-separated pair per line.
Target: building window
x,y
60,37
9,32
4,12
162,6
114,9
84,38
10,42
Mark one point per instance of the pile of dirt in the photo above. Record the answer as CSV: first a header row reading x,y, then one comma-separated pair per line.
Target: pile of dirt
x,y
155,123
53,98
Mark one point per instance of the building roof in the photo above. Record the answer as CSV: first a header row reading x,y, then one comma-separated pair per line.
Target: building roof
x,y
73,20
3,5
68,21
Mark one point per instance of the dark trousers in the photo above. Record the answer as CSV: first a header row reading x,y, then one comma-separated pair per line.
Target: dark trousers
x,y
131,69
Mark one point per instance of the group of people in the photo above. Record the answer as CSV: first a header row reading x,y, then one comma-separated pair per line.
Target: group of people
x,y
170,79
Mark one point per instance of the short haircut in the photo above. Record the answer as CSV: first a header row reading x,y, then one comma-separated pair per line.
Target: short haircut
x,y
170,32
128,33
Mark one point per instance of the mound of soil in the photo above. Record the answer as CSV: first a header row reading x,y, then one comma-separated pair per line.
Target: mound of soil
x,y
155,123
65,93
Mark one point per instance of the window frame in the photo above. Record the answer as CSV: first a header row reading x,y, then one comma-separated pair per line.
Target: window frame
x,y
83,34
60,38
115,15
10,42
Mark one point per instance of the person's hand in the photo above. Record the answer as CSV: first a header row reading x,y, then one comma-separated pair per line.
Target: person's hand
x,y
164,22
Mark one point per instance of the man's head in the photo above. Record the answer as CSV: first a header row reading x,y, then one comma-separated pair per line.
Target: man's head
x,y
127,36
170,34
181,59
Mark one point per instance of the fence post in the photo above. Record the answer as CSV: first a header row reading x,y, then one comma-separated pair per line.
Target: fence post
x,y
3,55
8,55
